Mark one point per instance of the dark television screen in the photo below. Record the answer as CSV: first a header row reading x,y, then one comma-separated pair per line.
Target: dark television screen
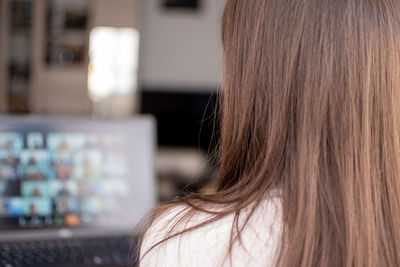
x,y
183,119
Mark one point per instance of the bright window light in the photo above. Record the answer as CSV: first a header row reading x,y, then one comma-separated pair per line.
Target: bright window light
x,y
113,62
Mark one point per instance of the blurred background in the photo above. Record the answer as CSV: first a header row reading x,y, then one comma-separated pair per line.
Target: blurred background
x,y
117,59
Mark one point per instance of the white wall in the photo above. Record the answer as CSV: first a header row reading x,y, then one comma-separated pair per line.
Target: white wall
x,y
115,13
181,49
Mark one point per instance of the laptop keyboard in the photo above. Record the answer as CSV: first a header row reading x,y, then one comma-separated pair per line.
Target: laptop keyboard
x,y
107,251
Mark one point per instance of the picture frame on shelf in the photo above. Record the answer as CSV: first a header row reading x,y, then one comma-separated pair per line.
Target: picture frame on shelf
x,y
67,32
181,4
21,15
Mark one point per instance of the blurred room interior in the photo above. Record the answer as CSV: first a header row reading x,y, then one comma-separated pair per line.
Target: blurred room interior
x,y
117,59
85,87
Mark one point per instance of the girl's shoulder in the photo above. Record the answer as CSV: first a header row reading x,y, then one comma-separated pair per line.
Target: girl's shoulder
x,y
209,244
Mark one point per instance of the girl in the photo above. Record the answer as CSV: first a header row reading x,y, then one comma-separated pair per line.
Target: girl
x,y
309,169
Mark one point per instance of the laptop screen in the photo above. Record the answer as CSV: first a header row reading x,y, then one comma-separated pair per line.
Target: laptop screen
x,y
59,172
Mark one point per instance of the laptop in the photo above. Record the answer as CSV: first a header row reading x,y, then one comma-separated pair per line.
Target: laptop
x,y
73,189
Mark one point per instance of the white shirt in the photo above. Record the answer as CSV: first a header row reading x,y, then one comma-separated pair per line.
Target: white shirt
x,y
208,245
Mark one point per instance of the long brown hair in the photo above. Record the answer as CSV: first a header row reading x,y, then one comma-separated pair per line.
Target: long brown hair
x,y
311,109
